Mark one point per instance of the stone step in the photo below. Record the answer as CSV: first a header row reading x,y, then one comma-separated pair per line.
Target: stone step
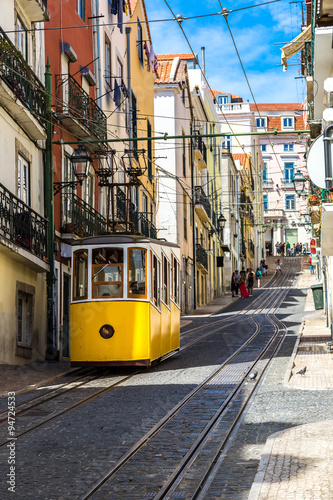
x,y
312,346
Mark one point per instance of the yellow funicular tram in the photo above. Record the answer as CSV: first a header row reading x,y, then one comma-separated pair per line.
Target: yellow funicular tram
x,y
125,300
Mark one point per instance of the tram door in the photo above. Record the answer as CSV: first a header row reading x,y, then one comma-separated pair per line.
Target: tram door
x,y
65,314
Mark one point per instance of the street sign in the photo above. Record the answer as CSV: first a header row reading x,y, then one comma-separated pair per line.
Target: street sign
x,y
315,162
313,248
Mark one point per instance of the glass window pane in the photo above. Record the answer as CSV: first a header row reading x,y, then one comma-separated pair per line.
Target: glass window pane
x,y
80,288
136,272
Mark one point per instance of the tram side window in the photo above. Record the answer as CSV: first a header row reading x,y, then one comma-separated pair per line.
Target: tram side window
x,y
166,274
107,272
155,275
137,272
175,291
80,285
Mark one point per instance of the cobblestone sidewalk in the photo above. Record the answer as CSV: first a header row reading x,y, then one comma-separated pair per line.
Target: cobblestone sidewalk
x,y
295,464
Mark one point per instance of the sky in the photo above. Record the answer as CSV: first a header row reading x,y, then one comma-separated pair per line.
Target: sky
x,y
258,32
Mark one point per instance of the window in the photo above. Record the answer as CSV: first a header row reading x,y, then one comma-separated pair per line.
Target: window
x,y
140,43
264,173
223,99
261,122
288,147
175,280
290,202
265,200
184,154
22,38
107,272
166,274
288,172
68,191
144,204
107,55
155,280
137,272
81,9
263,147
185,215
226,144
288,122
149,153
24,318
88,190
80,281
23,179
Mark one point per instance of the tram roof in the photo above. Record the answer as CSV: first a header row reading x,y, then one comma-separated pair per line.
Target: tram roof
x,y
109,239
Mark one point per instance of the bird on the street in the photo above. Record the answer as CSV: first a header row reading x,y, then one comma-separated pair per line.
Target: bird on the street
x,y
302,371
253,375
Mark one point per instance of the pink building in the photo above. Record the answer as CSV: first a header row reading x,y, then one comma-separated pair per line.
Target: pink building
x,y
285,212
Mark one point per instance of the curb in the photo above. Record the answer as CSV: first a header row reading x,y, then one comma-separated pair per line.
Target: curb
x,y
262,467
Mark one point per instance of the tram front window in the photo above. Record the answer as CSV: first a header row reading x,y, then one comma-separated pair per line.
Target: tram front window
x,y
107,273
136,272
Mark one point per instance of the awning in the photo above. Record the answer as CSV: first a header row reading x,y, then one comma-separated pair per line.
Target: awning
x,y
295,46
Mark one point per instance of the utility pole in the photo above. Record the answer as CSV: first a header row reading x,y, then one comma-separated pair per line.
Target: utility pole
x,y
50,280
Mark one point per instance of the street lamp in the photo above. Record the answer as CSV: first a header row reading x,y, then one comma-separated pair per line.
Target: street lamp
x,y
80,161
221,221
299,182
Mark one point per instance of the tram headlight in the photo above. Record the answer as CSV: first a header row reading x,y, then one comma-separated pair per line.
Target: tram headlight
x,y
106,331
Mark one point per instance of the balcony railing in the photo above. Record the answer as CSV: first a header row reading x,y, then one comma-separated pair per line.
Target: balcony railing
x,y
74,101
80,218
267,183
21,225
201,256
200,198
287,183
120,204
141,225
201,146
20,78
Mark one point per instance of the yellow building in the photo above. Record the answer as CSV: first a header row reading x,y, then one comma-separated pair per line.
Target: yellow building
x,y
143,65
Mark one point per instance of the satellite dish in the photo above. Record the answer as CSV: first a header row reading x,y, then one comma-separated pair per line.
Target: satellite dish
x,y
315,162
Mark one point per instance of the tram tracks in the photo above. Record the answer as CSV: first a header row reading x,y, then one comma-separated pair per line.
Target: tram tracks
x,y
230,382
58,401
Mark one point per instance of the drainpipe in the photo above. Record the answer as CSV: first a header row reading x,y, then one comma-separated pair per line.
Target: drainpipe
x,y
193,228
50,279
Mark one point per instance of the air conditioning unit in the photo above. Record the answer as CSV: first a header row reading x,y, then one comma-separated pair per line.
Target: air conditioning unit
x,y
328,92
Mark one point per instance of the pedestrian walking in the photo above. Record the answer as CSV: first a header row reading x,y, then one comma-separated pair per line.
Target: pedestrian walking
x,y
242,286
312,271
233,285
258,277
278,267
250,281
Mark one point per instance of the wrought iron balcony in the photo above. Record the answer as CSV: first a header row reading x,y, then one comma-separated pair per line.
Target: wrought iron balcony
x,y
202,204
200,151
201,257
78,111
287,183
36,10
21,225
21,79
79,218
141,225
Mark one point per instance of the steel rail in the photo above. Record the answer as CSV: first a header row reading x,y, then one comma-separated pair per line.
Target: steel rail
x,y
155,429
